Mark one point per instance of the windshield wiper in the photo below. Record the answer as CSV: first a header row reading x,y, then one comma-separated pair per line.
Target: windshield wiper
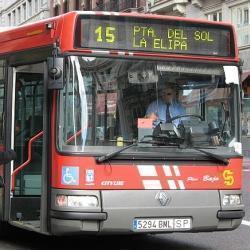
x,y
133,144
108,156
213,156
112,154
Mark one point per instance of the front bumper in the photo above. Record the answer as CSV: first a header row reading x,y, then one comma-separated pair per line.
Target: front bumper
x,y
118,209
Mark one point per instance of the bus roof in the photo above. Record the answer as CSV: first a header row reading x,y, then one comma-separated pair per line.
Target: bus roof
x,y
61,30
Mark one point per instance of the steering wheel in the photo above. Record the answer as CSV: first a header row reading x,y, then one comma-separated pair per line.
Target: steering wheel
x,y
186,115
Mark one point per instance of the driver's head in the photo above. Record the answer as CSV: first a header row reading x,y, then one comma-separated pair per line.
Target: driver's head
x,y
168,94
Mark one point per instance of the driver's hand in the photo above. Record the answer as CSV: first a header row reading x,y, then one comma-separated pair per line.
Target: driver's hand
x,y
153,116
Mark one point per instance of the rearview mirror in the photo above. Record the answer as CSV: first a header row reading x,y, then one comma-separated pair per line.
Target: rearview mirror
x,y
55,72
144,76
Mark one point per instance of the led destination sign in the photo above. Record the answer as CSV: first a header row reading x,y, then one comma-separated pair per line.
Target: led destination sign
x,y
167,36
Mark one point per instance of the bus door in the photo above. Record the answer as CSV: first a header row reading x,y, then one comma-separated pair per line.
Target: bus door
x,y
26,177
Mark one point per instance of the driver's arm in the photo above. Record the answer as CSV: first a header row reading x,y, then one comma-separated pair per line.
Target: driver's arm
x,y
152,112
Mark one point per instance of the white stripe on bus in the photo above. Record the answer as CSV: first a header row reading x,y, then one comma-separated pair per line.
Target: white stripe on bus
x,y
172,184
176,170
167,170
89,12
121,53
107,13
152,184
147,170
100,51
181,184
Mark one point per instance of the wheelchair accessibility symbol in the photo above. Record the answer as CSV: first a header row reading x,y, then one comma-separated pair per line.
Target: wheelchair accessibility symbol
x,y
70,176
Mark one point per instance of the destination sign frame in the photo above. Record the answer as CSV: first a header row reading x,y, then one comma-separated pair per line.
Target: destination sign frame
x,y
154,35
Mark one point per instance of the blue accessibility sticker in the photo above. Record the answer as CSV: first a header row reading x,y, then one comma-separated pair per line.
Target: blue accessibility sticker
x,y
70,175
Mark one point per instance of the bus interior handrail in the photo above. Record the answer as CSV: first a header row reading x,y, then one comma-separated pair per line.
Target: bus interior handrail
x,y
24,164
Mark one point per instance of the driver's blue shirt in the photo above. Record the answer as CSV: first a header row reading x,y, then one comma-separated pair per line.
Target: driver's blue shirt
x,y
175,109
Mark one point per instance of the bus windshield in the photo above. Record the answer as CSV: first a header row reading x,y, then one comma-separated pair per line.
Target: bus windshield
x,y
107,100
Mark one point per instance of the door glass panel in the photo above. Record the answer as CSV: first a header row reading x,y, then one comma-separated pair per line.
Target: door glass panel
x,y
28,123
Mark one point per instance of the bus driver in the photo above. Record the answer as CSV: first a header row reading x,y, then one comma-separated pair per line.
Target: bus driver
x,y
165,108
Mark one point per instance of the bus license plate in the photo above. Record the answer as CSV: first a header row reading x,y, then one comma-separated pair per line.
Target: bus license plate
x,y
173,224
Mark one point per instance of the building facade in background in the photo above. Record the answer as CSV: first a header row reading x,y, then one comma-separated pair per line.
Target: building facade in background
x,y
13,12
58,7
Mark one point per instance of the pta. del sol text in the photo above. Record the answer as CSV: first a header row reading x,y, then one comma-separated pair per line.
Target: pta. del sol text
x,y
175,39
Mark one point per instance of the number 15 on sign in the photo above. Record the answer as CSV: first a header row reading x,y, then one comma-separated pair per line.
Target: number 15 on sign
x,y
105,34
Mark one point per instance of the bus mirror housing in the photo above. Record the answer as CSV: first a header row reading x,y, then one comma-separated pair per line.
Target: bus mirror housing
x,y
143,76
55,72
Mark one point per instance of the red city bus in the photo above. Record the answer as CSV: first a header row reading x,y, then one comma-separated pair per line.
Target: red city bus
x,y
99,148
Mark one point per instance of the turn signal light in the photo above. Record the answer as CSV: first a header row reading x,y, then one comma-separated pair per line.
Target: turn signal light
x,y
231,200
76,201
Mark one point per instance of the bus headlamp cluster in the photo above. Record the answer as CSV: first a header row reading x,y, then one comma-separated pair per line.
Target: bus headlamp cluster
x,y
76,201
231,200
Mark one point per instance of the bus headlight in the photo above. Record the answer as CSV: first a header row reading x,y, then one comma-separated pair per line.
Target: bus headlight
x,y
76,201
231,200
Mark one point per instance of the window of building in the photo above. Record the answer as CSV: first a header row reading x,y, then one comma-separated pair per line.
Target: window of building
x,y
215,16
9,19
24,12
87,5
14,17
77,4
241,20
246,16
99,5
36,6
65,6
19,15
242,16
30,8
239,16
56,10
246,39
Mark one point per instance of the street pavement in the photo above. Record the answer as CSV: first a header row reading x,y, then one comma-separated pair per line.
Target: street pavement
x,y
231,240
